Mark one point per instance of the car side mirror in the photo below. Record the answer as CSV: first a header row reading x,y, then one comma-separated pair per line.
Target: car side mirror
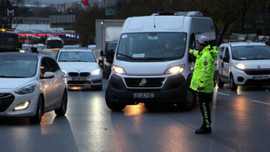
x,y
110,56
101,53
48,75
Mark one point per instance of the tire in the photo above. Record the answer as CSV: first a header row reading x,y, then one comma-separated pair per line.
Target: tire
x,y
112,105
150,106
232,84
63,109
190,100
219,82
39,112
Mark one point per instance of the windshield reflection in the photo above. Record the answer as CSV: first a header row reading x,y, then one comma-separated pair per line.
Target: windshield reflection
x,y
151,46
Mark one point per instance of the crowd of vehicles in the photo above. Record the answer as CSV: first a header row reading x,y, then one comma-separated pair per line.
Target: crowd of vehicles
x,y
148,57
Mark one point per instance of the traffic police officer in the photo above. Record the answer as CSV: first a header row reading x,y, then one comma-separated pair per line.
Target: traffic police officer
x,y
202,80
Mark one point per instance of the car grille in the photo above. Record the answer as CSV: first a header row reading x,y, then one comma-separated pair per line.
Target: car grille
x,y
257,71
144,82
78,82
82,74
6,100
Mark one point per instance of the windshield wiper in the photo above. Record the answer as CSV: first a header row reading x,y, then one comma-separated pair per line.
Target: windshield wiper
x,y
127,56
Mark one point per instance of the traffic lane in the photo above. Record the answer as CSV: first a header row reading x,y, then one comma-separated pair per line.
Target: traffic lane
x,y
53,134
136,129
242,118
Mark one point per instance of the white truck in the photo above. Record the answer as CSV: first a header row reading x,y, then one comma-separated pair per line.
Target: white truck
x,y
107,35
151,62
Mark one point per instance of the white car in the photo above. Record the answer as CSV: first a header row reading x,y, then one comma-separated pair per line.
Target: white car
x,y
81,68
31,84
243,63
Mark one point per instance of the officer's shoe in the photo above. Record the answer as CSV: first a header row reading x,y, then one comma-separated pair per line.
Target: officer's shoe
x,y
204,130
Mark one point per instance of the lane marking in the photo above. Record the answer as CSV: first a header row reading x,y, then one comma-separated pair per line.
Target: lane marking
x,y
256,101
225,94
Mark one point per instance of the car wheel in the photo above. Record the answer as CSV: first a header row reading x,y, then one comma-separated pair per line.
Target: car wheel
x,y
39,111
219,82
62,110
232,84
150,106
112,105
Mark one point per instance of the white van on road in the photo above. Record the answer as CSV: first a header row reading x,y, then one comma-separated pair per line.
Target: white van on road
x,y
151,63
243,63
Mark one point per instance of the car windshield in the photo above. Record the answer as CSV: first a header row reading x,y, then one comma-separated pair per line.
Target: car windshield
x,y
253,52
53,54
17,68
76,56
54,44
151,46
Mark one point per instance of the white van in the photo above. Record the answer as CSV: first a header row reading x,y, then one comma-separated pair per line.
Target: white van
x,y
54,42
243,63
151,63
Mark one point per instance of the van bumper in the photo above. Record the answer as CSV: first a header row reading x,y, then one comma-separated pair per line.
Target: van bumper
x,y
173,91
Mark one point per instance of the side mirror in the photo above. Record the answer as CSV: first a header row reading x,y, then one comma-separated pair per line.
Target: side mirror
x,y
110,56
48,75
101,53
226,59
191,58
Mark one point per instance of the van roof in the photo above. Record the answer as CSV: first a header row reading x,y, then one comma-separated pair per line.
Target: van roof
x,y
160,23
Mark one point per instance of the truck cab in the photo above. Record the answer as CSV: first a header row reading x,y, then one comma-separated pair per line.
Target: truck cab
x,y
151,63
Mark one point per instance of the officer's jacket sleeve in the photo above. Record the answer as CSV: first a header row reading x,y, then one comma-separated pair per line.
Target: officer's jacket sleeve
x,y
194,52
206,71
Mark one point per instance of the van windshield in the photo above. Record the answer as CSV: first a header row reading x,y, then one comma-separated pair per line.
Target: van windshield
x,y
253,52
151,46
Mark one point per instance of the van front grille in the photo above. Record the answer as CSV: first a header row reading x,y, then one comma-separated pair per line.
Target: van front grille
x,y
257,71
144,82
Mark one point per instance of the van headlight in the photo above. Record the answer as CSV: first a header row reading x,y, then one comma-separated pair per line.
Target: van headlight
x,y
95,72
175,69
27,89
240,66
118,70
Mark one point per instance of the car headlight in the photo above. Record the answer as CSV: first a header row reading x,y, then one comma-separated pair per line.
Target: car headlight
x,y
95,72
118,70
240,66
175,70
26,89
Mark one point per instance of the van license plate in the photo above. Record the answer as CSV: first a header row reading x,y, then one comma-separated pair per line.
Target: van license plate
x,y
143,95
260,77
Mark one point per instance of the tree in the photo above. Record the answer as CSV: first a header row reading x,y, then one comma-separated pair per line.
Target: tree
x,y
85,25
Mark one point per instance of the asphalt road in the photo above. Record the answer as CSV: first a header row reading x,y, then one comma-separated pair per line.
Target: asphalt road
x,y
240,121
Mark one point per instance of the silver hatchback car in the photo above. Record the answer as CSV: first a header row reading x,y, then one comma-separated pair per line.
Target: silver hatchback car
x,y
31,84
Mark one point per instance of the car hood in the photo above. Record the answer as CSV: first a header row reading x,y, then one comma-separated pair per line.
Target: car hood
x,y
147,68
78,66
256,64
13,83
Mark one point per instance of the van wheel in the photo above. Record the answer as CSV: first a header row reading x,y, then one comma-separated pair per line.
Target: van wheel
x,y
189,102
232,83
39,112
62,110
219,82
113,105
